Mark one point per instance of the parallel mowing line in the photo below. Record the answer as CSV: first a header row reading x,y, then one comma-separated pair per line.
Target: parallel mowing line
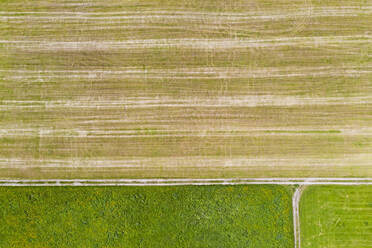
x,y
245,101
181,162
221,43
188,16
299,11
153,135
184,73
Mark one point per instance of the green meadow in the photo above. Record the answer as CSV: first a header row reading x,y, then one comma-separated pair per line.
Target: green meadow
x,y
182,216
336,216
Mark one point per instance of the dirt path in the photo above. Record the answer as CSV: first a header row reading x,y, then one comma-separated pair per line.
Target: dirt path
x,y
296,215
186,181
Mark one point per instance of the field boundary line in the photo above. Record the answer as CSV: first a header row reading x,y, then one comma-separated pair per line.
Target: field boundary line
x,y
185,181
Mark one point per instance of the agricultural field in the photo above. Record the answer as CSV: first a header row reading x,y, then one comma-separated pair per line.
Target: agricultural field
x,y
185,92
185,89
336,217
186,216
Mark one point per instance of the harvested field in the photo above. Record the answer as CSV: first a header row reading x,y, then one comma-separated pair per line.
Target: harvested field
x,y
187,216
185,89
336,216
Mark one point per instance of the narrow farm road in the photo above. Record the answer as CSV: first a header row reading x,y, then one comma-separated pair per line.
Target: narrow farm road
x,y
296,215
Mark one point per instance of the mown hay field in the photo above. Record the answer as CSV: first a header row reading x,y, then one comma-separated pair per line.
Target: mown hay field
x,y
336,217
166,88
185,216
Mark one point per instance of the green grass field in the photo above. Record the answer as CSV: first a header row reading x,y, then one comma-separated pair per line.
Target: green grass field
x,y
336,217
207,216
